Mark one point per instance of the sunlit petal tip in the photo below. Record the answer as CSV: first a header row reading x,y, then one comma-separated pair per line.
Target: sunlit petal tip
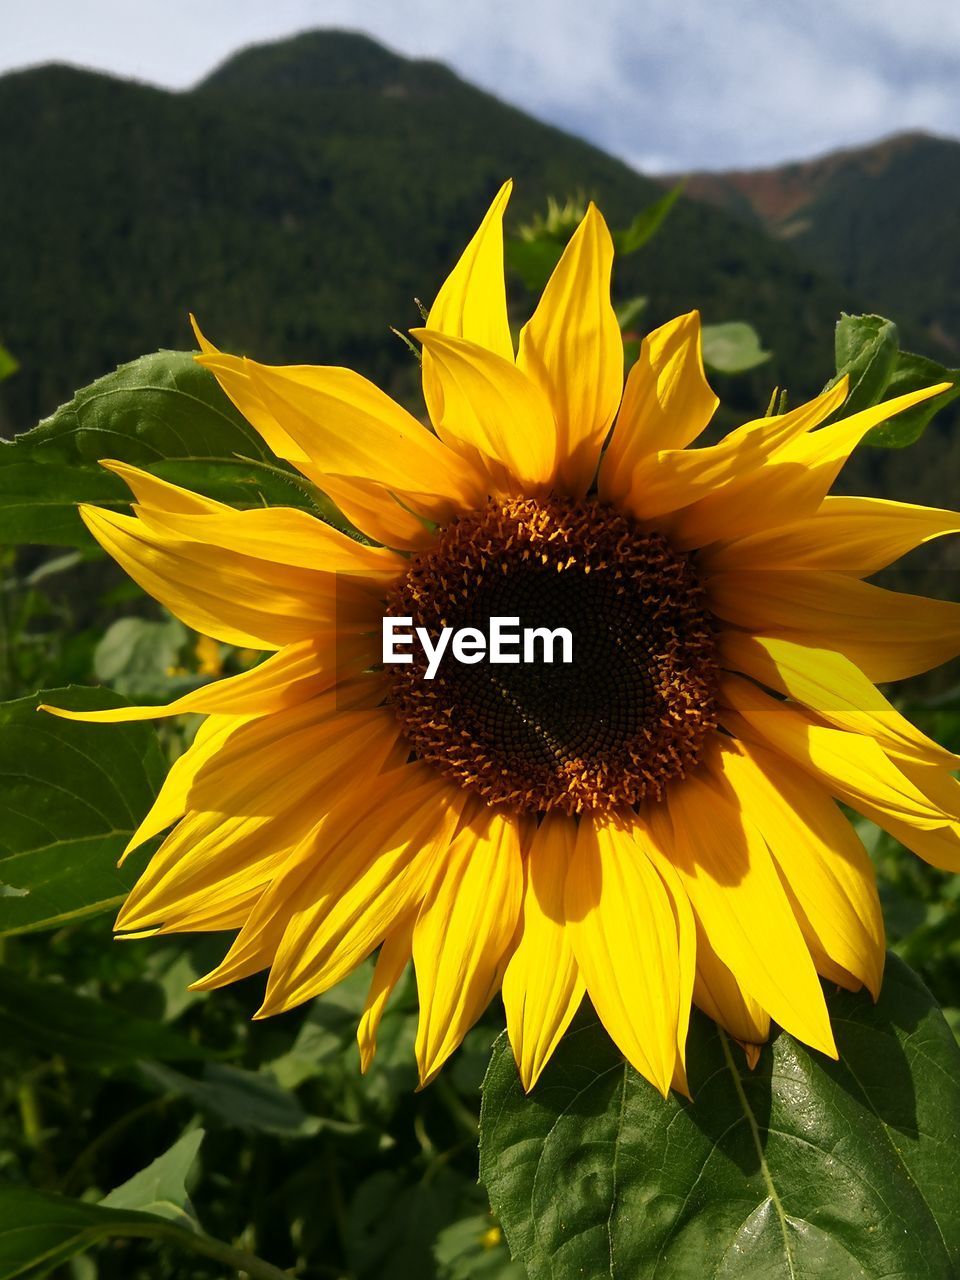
x,y
751,1053
205,345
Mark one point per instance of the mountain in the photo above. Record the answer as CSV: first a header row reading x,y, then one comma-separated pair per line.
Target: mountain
x,y
881,220
299,199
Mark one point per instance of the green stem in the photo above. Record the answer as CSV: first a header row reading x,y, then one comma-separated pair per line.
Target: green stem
x,y
243,1263
30,1119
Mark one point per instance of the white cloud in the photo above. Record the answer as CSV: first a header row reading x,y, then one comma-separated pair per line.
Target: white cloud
x,y
667,85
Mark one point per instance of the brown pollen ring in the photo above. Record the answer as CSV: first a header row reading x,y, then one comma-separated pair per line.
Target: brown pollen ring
x,y
630,712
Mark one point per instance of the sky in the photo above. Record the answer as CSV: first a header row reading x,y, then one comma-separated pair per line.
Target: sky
x,y
667,85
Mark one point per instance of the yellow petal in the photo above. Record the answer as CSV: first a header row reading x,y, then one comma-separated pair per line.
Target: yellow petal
x,y
365,868
251,799
793,481
463,932
667,403
830,684
171,802
820,856
856,536
151,491
672,479
941,845
391,962
624,934
367,505
472,302
888,634
491,406
853,768
282,535
239,599
294,674
353,430
542,987
687,937
234,379
735,892
376,512
572,349
717,992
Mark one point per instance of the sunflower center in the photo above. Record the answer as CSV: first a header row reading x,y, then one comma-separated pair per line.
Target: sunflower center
x,y
612,726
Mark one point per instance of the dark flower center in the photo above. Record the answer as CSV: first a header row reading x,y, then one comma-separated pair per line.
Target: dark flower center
x,y
611,727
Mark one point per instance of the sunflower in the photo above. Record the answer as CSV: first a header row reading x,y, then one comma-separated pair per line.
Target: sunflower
x,y
654,825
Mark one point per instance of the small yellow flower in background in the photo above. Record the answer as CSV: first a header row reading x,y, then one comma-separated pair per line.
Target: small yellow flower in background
x,y
491,1237
208,657
655,825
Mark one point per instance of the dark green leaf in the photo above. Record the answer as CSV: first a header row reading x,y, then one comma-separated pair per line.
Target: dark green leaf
x,y
393,1224
48,1018
39,1231
732,348
163,412
629,312
646,224
71,796
803,1168
161,1187
245,1100
532,260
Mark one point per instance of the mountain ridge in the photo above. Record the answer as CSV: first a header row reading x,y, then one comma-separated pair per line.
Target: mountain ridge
x,y
874,217
299,222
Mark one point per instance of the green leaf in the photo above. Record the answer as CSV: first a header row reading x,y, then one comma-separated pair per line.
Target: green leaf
x,y
39,1232
732,348
245,1100
804,1167
630,311
472,1249
8,365
161,1187
71,796
135,655
911,374
47,1018
163,412
42,1231
646,224
532,260
867,348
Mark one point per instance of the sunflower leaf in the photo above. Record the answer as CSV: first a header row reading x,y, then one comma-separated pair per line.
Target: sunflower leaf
x,y
803,1167
71,796
732,348
867,348
162,412
646,224
868,352
161,1187
39,1232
